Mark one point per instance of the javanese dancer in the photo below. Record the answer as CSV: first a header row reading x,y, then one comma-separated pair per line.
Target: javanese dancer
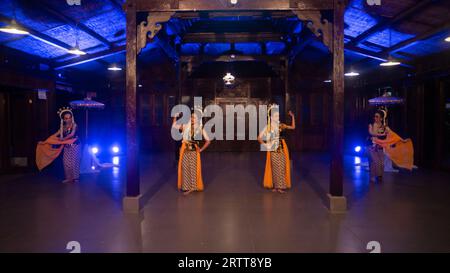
x,y
64,140
277,174
189,164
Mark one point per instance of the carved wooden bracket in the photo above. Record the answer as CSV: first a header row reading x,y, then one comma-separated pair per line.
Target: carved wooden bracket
x,y
320,27
151,27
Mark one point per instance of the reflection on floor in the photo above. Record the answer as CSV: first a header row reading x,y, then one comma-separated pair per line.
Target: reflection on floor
x,y
408,212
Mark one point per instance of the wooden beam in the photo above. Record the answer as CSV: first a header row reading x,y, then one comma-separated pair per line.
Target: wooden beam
x,y
297,49
90,57
366,53
374,55
337,125
387,23
220,5
197,59
231,37
161,40
69,57
423,36
132,176
256,15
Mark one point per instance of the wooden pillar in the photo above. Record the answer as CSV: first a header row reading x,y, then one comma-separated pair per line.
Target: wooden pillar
x,y
337,201
131,200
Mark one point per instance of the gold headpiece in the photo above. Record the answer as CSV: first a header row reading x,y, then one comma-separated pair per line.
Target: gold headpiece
x,y
269,113
64,110
61,113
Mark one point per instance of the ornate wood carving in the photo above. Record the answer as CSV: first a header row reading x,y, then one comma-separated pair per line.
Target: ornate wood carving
x,y
151,27
320,27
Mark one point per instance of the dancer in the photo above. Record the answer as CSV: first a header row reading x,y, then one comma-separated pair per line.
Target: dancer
x,y
189,165
277,174
386,142
64,139
377,130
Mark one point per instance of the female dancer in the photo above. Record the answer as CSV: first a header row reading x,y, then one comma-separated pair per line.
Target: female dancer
x,y
277,175
65,139
189,165
377,131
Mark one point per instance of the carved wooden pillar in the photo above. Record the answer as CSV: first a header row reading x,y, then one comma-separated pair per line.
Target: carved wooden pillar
x,y
132,188
136,40
337,201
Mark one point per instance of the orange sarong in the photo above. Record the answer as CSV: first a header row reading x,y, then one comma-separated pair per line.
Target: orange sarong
x,y
268,183
400,151
46,153
198,171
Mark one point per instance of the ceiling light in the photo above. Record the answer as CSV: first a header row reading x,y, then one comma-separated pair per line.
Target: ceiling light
x,y
76,51
14,30
352,74
390,62
114,68
229,79
447,39
327,81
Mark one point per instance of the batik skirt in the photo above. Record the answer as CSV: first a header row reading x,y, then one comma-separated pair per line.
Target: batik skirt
x,y
71,161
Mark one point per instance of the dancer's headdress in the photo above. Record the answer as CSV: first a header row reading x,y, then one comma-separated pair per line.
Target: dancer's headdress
x,y
61,112
269,114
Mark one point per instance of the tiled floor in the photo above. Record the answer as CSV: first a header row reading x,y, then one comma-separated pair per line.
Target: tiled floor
x,y
408,212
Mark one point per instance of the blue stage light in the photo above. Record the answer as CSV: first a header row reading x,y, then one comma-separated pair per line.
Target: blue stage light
x,y
94,150
358,149
116,160
115,149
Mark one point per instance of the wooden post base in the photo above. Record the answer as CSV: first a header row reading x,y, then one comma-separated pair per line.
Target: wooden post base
x,y
337,204
131,204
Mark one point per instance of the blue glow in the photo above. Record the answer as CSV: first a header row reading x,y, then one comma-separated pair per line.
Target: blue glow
x,y
357,21
115,160
190,48
216,48
382,37
249,48
358,149
274,48
115,149
371,48
298,27
110,25
94,150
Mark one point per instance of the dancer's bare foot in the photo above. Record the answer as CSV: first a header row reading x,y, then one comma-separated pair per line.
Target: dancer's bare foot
x,y
281,191
188,192
67,181
274,190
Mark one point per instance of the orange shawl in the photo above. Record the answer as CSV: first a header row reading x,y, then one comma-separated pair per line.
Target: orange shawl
x,y
400,151
268,183
46,153
199,169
